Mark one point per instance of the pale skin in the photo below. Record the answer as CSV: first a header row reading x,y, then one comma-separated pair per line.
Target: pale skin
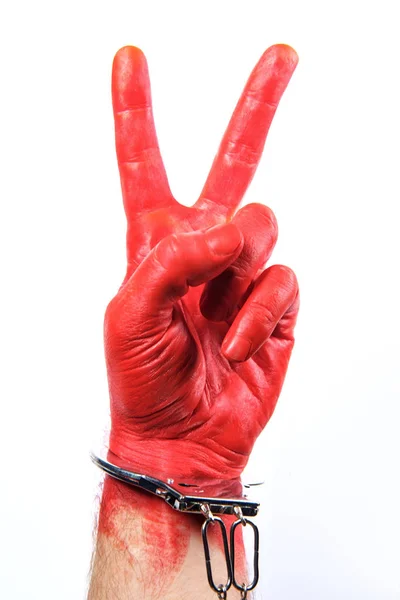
x,y
122,568
172,409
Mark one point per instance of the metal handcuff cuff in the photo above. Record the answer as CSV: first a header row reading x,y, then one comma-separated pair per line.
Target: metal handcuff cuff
x,y
213,498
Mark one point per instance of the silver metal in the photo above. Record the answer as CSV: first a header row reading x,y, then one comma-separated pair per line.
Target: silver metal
x,y
244,588
220,495
239,513
205,509
221,589
222,593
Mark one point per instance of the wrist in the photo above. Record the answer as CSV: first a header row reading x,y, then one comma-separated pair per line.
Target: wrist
x,y
140,509
185,459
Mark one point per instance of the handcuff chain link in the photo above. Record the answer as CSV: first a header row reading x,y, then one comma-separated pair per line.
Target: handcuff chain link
x,y
221,589
244,588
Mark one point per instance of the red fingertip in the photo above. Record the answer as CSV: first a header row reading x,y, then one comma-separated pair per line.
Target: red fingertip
x,y
283,52
224,239
130,79
129,52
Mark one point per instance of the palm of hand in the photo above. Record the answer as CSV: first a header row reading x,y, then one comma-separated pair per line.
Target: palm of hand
x,y
171,385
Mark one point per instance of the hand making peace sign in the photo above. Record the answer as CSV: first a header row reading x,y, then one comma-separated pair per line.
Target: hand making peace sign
x,y
199,336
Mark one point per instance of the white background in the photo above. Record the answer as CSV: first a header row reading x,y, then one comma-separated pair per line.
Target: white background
x,y
330,455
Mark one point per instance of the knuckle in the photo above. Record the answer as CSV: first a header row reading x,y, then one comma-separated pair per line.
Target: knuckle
x,y
286,275
260,231
166,251
114,327
267,215
260,313
171,242
241,152
258,215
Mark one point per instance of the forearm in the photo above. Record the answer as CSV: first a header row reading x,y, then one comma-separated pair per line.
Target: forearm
x,y
145,549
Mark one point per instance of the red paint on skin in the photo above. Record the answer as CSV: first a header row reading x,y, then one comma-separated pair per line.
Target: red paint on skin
x,y
165,536
135,519
181,406
216,541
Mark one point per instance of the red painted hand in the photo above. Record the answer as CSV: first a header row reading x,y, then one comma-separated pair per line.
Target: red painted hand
x,y
198,338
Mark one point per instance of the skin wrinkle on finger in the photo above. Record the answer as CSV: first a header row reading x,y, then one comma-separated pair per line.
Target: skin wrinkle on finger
x,y
133,109
145,179
180,260
249,127
177,403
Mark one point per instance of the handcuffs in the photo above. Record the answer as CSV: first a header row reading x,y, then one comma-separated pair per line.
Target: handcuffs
x,y
213,498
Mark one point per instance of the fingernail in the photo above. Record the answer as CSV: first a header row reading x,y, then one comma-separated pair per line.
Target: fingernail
x,y
239,348
223,239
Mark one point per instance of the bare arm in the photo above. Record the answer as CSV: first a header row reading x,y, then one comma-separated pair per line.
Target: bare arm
x,y
145,549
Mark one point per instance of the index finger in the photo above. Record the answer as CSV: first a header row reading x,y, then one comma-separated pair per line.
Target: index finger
x,y
143,178
243,142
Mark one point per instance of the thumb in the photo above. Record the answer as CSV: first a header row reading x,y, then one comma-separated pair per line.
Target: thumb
x,y
177,262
